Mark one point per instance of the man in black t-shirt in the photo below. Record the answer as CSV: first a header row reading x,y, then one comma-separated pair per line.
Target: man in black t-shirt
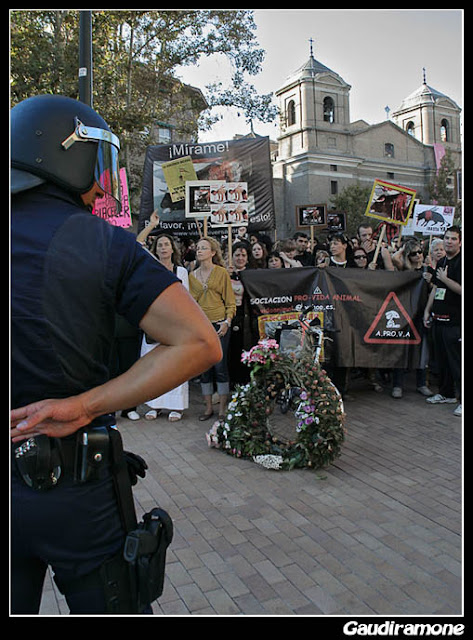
x,y
443,313
305,257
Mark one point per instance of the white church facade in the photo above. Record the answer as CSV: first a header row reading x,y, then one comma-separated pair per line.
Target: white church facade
x,y
320,151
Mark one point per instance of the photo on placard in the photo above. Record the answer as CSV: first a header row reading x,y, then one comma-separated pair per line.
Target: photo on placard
x,y
238,213
219,215
198,198
237,192
311,215
336,220
390,202
218,192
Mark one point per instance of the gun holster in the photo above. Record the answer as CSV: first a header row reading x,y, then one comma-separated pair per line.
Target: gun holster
x,y
145,552
146,542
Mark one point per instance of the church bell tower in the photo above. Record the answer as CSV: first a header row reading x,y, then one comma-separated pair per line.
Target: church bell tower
x,y
314,109
431,117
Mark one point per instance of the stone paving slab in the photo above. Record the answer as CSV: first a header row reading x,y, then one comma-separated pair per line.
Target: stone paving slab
x,y
378,533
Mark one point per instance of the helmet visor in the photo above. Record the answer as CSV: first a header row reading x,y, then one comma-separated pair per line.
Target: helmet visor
x,y
107,168
107,171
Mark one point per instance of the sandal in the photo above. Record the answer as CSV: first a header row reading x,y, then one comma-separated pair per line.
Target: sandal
x,y
174,416
206,416
152,414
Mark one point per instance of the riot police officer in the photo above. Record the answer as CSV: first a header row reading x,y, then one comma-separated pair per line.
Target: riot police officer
x,y
71,273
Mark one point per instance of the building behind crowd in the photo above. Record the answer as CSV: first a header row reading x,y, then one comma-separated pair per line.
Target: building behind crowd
x,y
320,151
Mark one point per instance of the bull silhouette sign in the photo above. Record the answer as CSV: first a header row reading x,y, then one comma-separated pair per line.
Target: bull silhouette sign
x,y
432,219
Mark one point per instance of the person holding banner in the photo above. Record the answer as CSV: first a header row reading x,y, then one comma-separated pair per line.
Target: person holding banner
x,y
287,250
341,253
443,312
436,253
258,258
410,257
211,287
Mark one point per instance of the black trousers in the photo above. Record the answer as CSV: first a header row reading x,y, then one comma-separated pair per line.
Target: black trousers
x,y
72,528
447,348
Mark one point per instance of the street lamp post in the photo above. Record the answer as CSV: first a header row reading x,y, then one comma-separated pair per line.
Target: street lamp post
x,y
85,57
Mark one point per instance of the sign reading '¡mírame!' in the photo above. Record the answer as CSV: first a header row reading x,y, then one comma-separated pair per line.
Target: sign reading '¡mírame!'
x,y
239,162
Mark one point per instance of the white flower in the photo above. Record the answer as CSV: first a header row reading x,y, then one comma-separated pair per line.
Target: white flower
x,y
269,461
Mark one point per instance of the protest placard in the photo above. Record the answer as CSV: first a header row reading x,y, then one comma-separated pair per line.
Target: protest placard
x,y
176,173
106,207
432,219
390,202
243,165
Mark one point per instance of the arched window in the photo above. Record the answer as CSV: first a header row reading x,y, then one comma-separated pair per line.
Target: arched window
x,y
329,110
291,113
410,128
444,131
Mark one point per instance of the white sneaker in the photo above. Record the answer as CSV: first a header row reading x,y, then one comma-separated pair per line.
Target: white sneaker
x,y
152,414
439,399
133,415
458,411
425,391
396,392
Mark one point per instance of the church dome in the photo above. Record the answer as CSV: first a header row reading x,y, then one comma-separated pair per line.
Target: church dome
x,y
424,95
308,71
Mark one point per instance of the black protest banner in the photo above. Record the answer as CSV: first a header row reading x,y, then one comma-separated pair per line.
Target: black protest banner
x,y
373,317
244,160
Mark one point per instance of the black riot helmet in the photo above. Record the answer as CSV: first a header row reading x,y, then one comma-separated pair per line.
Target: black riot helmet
x,y
64,141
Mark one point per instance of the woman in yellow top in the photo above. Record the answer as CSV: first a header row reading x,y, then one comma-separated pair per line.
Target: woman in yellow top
x,y
211,287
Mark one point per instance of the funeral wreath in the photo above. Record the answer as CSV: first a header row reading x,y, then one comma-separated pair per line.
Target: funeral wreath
x,y
316,405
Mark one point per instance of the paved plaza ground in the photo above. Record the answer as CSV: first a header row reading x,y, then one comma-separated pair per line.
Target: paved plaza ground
x,y
378,533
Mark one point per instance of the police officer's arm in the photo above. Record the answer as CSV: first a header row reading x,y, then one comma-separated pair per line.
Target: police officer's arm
x,y
188,346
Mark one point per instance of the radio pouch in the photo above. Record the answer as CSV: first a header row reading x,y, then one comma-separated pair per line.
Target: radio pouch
x,y
145,551
39,462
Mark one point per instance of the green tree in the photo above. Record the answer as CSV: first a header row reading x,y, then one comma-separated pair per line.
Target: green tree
x,y
354,200
135,54
441,188
135,57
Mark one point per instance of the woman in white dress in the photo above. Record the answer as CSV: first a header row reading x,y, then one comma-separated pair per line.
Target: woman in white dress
x,y
176,400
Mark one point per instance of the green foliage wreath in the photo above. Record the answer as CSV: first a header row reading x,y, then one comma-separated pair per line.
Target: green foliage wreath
x,y
246,431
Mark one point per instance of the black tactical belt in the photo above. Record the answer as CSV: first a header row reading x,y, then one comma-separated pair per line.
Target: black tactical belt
x,y
42,461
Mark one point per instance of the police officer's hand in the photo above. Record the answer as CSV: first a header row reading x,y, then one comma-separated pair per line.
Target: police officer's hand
x,y
53,417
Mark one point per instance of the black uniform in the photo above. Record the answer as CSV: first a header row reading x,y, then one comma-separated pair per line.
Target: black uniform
x,y
71,273
446,328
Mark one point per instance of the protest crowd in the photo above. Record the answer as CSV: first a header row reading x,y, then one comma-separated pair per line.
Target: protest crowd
x,y
438,259
128,334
